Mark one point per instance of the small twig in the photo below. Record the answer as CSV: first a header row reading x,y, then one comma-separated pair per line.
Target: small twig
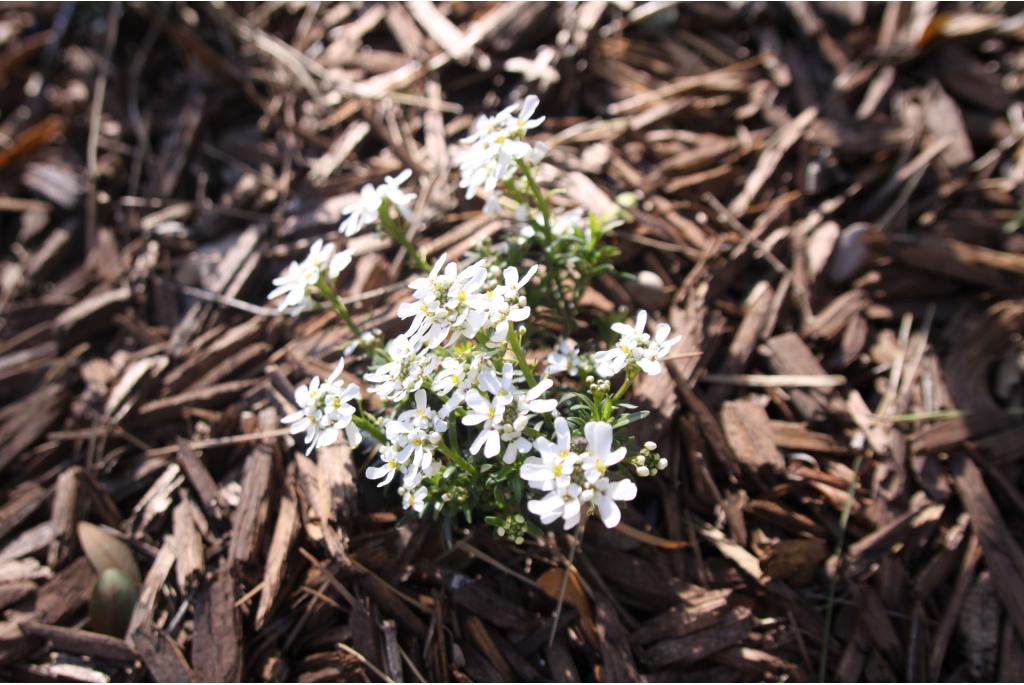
x,y
844,520
95,117
329,577
647,538
411,664
485,557
728,217
790,380
224,300
577,539
244,599
366,662
218,442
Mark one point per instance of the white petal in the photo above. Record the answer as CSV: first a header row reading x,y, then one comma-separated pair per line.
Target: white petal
x,y
478,442
649,366
641,321
353,435
615,457
550,503
493,445
599,438
610,514
534,469
623,490
571,513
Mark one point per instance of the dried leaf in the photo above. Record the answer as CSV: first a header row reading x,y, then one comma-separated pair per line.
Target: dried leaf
x,y
106,551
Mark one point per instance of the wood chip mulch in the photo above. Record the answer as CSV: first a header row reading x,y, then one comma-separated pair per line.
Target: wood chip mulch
x,y
828,209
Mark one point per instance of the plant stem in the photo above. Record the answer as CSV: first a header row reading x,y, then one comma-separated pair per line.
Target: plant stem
x,y
370,427
631,375
454,455
327,291
395,232
553,283
538,195
517,350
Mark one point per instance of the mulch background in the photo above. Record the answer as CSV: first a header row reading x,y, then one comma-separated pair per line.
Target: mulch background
x,y
827,209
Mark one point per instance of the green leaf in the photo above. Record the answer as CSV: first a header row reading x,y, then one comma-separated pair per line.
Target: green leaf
x,y
632,417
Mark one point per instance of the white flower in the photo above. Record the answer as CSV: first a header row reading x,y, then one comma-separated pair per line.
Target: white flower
x,y
415,499
531,400
525,405
554,468
495,145
390,465
502,387
442,302
503,305
366,340
408,370
562,503
366,210
456,375
649,358
635,346
325,410
302,278
605,495
565,358
599,455
486,413
455,379
417,432
505,415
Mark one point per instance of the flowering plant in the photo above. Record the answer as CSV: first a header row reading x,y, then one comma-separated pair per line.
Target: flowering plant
x,y
470,425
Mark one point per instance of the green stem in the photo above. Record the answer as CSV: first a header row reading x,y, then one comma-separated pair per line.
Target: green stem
x,y
553,283
456,457
538,195
517,350
370,427
631,375
327,292
395,232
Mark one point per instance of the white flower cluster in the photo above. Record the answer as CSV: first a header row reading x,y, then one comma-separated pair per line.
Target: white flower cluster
x,y
636,346
565,358
372,199
412,439
302,279
464,407
563,224
575,480
449,306
325,411
496,144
